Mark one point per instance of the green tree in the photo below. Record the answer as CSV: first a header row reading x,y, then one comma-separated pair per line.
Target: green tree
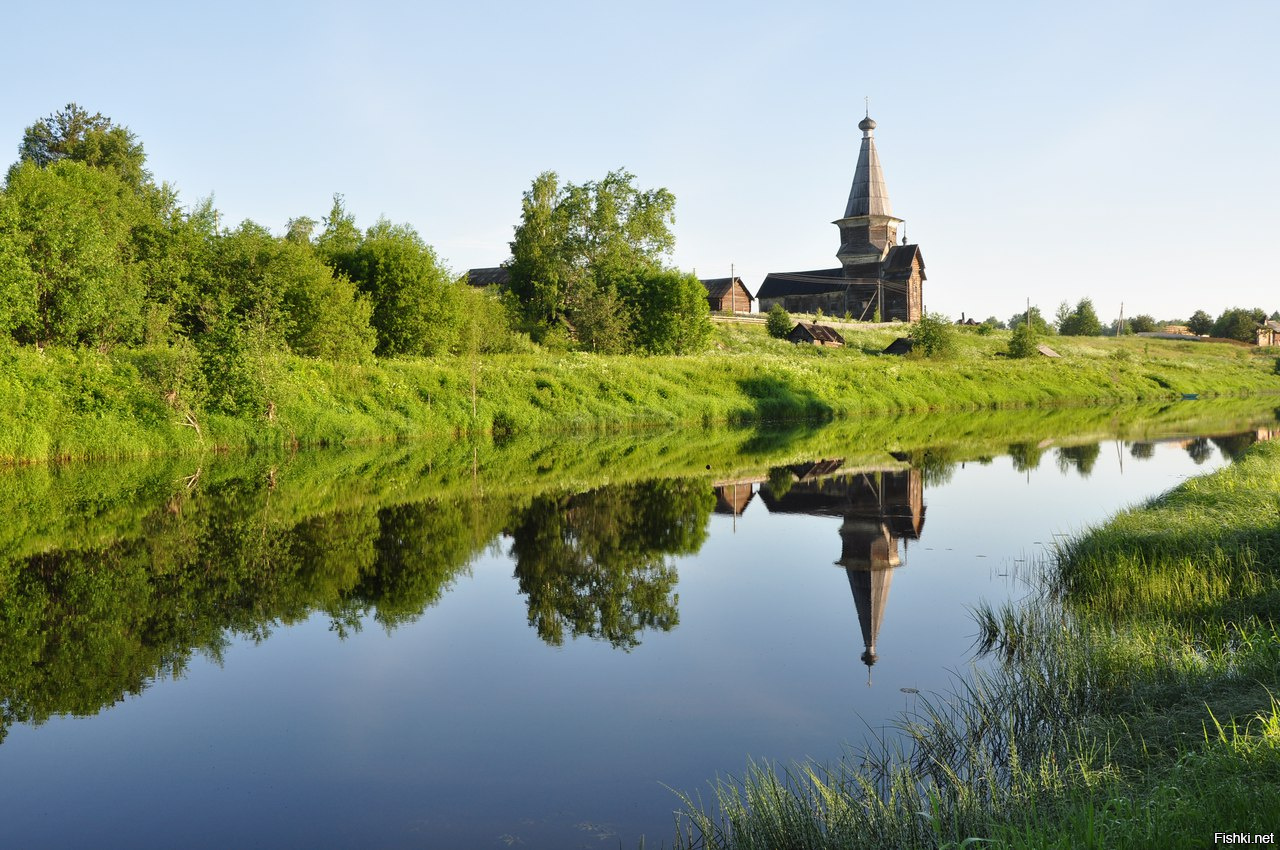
x,y
94,140
1083,321
1239,323
1200,323
668,311
416,302
778,322
1038,323
1022,343
67,237
1142,323
588,258
933,335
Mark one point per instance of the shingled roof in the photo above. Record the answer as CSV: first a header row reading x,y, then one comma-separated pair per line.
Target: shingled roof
x,y
495,275
868,196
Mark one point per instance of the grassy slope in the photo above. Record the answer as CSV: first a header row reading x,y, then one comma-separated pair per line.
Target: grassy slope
x,y
65,404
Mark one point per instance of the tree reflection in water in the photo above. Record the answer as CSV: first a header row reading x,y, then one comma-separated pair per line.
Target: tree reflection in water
x,y
596,564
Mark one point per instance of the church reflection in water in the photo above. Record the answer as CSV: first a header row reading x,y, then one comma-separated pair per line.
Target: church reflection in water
x,y
879,509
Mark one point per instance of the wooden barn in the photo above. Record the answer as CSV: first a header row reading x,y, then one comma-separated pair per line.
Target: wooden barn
x,y
492,276
728,295
876,275
815,335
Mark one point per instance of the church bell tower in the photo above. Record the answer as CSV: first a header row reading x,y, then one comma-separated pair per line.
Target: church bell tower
x,y
869,228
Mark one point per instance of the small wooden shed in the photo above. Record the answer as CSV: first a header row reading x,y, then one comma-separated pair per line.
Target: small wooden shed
x,y
815,335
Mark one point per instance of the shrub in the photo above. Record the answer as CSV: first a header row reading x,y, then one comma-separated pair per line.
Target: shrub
x,y
933,335
1023,342
779,322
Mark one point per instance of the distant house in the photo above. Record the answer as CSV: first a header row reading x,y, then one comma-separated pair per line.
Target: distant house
x,y
728,294
876,275
494,276
1269,333
815,335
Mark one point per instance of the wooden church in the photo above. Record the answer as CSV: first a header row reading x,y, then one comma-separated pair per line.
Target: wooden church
x,y
876,276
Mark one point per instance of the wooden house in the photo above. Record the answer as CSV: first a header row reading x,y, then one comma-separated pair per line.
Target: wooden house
x,y
815,335
1269,333
728,295
876,275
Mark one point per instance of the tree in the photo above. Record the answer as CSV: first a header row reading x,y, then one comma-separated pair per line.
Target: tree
x,y
669,311
1142,323
1200,323
933,335
66,255
779,322
1022,343
416,304
1083,321
1038,323
94,140
1239,323
588,258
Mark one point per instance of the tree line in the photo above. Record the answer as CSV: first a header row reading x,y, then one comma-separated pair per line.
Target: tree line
x,y
94,252
1238,323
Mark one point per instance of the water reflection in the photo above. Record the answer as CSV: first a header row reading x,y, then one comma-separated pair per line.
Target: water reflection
x,y
596,564
878,508
123,575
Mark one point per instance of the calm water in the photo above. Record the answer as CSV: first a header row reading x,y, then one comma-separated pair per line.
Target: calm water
x,y
386,651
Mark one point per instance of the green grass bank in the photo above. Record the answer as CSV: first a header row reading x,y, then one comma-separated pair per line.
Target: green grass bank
x,y
1131,704
65,404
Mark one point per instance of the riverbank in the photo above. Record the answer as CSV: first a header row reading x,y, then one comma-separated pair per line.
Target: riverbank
x,y
68,404
1133,703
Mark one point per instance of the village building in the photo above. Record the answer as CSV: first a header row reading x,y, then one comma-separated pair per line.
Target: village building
x,y
876,275
728,295
812,334
1269,333
490,276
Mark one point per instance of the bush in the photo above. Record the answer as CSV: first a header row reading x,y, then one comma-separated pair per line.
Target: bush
x,y
1023,342
779,322
933,335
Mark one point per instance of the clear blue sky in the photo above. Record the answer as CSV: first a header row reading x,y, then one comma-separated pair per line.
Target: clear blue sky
x,y
1125,151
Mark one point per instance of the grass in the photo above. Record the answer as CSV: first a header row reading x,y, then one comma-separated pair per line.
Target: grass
x,y
62,404
1133,704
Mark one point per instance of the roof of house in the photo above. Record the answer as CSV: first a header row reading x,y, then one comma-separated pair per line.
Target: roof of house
x,y
718,287
901,345
819,333
778,284
895,267
488,276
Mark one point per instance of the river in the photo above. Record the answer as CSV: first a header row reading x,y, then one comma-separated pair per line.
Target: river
x,y
529,644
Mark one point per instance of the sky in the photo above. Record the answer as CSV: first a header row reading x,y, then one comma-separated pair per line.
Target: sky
x,y
1120,151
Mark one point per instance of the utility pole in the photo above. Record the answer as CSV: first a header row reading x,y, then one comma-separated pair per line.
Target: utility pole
x,y
733,291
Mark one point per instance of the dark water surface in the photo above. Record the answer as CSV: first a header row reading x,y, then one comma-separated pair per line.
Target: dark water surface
x,y
519,645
